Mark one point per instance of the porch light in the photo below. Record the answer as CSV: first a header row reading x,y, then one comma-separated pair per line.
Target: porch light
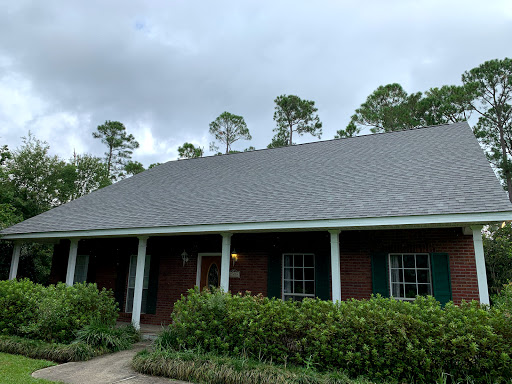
x,y
234,256
184,257
503,224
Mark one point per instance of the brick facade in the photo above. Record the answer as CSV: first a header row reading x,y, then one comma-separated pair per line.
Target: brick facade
x,y
356,247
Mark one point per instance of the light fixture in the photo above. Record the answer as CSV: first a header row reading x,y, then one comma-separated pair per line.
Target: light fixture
x,y
234,256
503,224
184,257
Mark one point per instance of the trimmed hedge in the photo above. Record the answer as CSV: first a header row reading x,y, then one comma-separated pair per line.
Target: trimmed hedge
x,y
380,338
53,313
199,368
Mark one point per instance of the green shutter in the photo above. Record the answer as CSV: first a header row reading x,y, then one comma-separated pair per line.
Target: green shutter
x,y
274,275
380,274
441,284
122,272
322,273
152,285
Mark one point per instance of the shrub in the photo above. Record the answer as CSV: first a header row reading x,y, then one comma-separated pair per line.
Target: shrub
x,y
52,313
37,349
379,338
221,370
101,335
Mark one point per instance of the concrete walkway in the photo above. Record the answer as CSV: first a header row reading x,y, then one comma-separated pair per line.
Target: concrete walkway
x,y
106,369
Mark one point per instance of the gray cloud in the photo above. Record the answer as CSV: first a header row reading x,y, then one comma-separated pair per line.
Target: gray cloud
x,y
167,69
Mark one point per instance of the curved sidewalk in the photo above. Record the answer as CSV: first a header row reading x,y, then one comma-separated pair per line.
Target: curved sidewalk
x,y
107,369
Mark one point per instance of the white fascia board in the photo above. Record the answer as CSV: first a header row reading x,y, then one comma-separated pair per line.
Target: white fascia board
x,y
457,219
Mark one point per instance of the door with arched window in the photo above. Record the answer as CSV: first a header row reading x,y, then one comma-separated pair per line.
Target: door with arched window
x,y
210,272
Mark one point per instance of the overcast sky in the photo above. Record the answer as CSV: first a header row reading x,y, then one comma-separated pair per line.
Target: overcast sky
x,y
166,69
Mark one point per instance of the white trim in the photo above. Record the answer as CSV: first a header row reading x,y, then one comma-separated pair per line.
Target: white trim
x,y
453,220
481,273
139,281
225,261
335,265
13,270
200,261
73,249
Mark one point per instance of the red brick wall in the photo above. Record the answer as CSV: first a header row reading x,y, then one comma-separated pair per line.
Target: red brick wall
x,y
255,249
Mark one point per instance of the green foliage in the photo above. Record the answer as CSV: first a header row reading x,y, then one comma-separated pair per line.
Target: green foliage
x,y
37,349
498,256
211,369
351,131
133,167
101,335
52,313
383,339
228,128
189,151
492,82
120,146
293,114
91,173
503,300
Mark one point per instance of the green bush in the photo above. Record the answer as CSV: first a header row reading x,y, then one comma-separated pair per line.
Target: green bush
x,y
53,313
37,349
101,335
380,338
200,368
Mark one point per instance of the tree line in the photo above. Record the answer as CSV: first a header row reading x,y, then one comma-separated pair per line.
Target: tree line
x,y
32,181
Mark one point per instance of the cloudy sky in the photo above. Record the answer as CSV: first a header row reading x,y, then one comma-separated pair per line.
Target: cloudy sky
x,y
166,69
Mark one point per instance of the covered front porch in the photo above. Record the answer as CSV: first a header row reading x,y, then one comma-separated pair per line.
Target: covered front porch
x,y
149,273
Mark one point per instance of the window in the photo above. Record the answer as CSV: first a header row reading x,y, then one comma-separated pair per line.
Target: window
x,y
409,275
298,276
81,268
131,284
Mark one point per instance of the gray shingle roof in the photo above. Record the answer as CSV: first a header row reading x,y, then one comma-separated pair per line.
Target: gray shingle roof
x,y
427,171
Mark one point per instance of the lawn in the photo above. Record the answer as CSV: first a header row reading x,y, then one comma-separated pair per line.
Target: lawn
x,y
18,369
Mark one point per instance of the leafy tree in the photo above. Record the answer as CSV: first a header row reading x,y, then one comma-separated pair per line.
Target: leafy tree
x,y
154,165
448,104
90,174
133,167
351,131
189,151
293,114
250,149
228,128
120,146
492,82
498,256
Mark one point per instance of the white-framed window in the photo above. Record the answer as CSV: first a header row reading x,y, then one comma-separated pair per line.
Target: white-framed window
x,y
131,284
298,276
409,275
81,268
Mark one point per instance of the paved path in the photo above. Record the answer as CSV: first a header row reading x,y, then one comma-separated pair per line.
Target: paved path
x,y
106,369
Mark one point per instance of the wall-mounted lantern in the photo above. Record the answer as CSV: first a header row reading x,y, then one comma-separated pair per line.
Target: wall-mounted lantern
x,y
234,256
184,257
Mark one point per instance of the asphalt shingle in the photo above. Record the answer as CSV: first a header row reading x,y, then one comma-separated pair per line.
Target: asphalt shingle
x,y
427,171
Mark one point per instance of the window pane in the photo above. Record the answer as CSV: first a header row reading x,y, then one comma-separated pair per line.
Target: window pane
x,y
396,275
310,287
396,261
298,288
424,289
396,290
131,282
309,260
422,261
297,261
298,273
409,261
309,274
410,291
423,276
288,273
410,276
288,262
287,287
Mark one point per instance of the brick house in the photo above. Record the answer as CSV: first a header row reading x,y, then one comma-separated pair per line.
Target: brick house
x,y
398,214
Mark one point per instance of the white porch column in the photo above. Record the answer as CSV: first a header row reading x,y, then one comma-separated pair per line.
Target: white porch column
x,y
225,261
70,274
139,281
480,264
14,261
335,265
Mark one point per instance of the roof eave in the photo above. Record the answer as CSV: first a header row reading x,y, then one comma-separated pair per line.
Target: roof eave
x,y
446,220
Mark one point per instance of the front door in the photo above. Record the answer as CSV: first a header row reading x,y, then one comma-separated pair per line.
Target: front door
x,y
210,272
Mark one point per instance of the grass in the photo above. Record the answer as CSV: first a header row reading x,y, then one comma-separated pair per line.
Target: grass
x,y
16,369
